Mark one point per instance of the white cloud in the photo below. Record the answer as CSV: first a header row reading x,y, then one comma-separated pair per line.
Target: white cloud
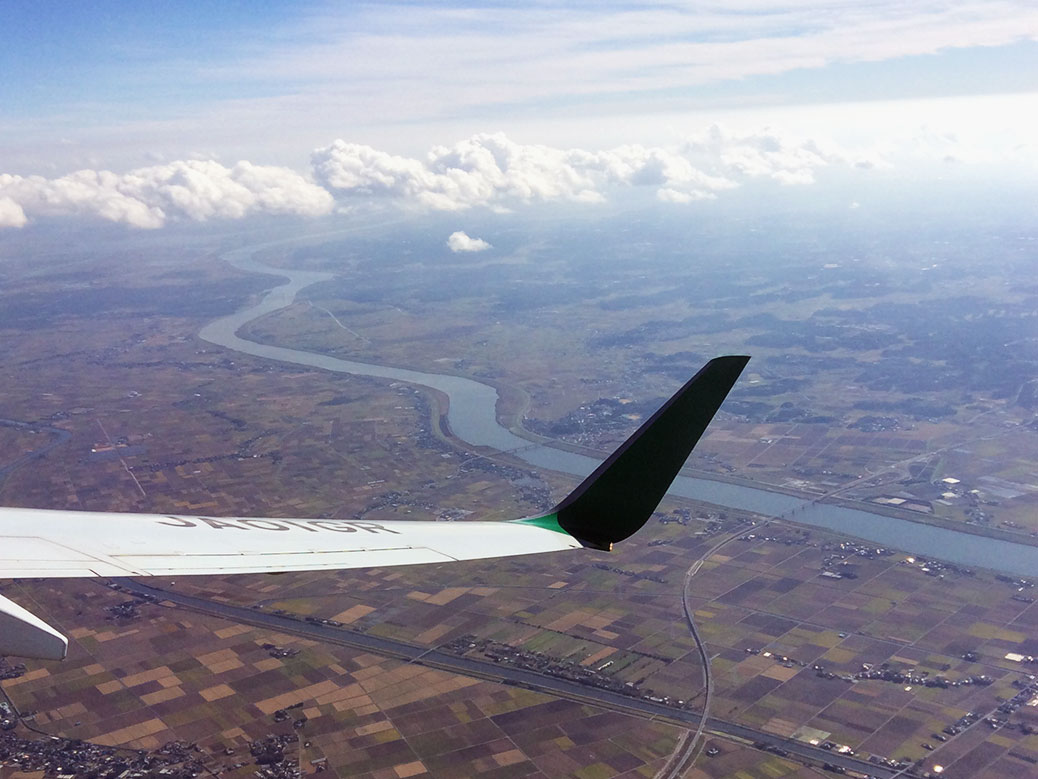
x,y
668,195
83,193
482,170
459,241
149,197
496,172
485,170
369,58
404,72
770,154
11,214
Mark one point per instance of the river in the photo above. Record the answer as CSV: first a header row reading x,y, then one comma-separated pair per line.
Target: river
x,y
472,417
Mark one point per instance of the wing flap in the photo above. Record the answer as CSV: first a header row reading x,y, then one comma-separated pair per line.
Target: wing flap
x,y
26,557
277,562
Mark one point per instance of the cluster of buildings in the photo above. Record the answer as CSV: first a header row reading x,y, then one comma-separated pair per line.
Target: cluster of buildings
x,y
885,673
281,652
1025,702
838,562
269,754
8,671
784,660
938,568
60,757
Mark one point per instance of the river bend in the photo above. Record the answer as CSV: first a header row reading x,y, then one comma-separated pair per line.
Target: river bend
x,y
472,417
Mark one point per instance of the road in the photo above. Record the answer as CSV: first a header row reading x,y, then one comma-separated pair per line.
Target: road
x,y
690,745
495,672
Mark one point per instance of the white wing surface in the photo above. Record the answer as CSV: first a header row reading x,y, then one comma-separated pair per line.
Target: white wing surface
x,y
37,543
608,506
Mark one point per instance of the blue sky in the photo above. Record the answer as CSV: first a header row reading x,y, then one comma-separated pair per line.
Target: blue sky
x,y
121,85
59,57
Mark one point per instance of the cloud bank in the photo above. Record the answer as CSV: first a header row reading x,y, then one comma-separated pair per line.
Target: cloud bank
x,y
459,241
485,170
149,197
494,171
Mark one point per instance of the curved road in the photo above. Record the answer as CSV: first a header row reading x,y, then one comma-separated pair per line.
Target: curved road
x,y
690,745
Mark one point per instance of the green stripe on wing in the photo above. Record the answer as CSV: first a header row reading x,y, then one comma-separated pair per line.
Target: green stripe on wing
x,y
548,522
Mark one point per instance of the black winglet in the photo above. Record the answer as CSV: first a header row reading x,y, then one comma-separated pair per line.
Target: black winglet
x,y
620,496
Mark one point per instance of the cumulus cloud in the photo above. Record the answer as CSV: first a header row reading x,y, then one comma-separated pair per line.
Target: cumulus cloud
x,y
459,241
11,214
487,170
148,197
769,154
482,170
494,171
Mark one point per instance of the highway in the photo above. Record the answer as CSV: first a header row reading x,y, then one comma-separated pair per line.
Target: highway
x,y
496,672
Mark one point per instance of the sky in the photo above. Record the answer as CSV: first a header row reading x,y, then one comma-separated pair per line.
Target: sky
x,y
146,114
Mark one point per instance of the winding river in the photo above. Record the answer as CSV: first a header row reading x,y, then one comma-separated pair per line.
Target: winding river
x,y
472,418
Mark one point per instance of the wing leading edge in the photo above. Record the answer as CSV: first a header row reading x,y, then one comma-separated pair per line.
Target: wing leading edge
x,y
608,506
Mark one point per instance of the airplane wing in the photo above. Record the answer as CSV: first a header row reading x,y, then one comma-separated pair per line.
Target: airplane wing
x,y
611,504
